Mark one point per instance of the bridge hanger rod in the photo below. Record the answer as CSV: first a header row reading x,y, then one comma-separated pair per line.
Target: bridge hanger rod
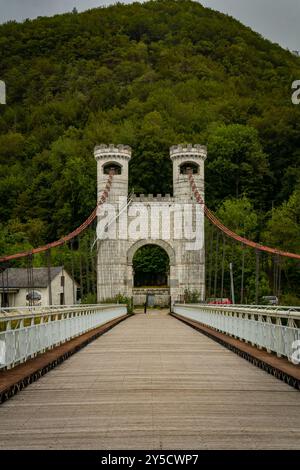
x,y
215,221
71,235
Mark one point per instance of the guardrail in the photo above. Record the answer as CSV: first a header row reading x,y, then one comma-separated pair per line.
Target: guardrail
x,y
28,332
266,308
15,311
273,329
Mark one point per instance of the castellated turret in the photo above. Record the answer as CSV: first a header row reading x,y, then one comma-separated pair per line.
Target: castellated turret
x,y
116,158
187,158
112,265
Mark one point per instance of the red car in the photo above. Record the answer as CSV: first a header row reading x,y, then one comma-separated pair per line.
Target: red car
x,y
219,302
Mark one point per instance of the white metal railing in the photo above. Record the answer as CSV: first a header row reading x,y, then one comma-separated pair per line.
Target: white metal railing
x,y
24,334
29,310
274,329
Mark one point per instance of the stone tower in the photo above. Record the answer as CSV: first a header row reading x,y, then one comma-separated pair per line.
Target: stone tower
x,y
111,259
190,264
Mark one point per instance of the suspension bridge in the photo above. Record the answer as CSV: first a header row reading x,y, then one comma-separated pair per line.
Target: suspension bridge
x,y
106,375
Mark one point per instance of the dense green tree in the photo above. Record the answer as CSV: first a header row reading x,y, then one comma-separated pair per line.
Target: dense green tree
x,y
237,163
150,265
149,75
283,227
240,215
151,259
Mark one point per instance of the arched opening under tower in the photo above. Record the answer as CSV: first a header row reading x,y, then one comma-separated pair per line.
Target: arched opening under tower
x,y
151,267
151,275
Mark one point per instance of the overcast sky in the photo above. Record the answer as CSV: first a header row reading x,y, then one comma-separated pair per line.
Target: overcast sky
x,y
278,20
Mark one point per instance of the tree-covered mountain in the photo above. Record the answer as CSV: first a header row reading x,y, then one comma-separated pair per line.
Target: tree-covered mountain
x,y
148,75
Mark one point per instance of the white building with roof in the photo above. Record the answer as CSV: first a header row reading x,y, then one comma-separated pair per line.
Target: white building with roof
x,y
41,287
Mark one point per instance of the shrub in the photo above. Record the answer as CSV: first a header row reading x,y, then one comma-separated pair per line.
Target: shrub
x,y
121,299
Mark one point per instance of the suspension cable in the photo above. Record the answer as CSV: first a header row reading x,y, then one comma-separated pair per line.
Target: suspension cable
x,y
210,216
93,262
73,270
223,265
210,264
3,288
48,254
243,274
30,285
279,277
216,265
257,273
71,235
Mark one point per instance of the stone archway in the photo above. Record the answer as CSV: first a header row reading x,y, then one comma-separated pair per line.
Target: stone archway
x,y
161,295
161,243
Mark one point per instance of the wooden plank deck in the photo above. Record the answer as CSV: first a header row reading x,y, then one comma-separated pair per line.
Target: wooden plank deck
x,y
16,379
280,367
153,383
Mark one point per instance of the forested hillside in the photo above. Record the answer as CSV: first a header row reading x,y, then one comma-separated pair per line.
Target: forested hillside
x,y
147,75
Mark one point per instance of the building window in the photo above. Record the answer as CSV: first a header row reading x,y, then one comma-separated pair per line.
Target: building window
x,y
112,167
62,298
188,167
4,300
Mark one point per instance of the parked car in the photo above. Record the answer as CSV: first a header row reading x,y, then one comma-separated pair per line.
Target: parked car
x,y
270,300
224,301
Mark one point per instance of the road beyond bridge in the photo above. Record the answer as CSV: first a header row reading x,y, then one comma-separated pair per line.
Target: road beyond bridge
x,y
153,383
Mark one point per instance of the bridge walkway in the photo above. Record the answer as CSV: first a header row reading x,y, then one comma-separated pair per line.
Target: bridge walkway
x,y
153,383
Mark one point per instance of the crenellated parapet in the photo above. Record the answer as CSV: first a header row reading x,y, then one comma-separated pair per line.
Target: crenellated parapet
x,y
104,151
167,198
188,151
